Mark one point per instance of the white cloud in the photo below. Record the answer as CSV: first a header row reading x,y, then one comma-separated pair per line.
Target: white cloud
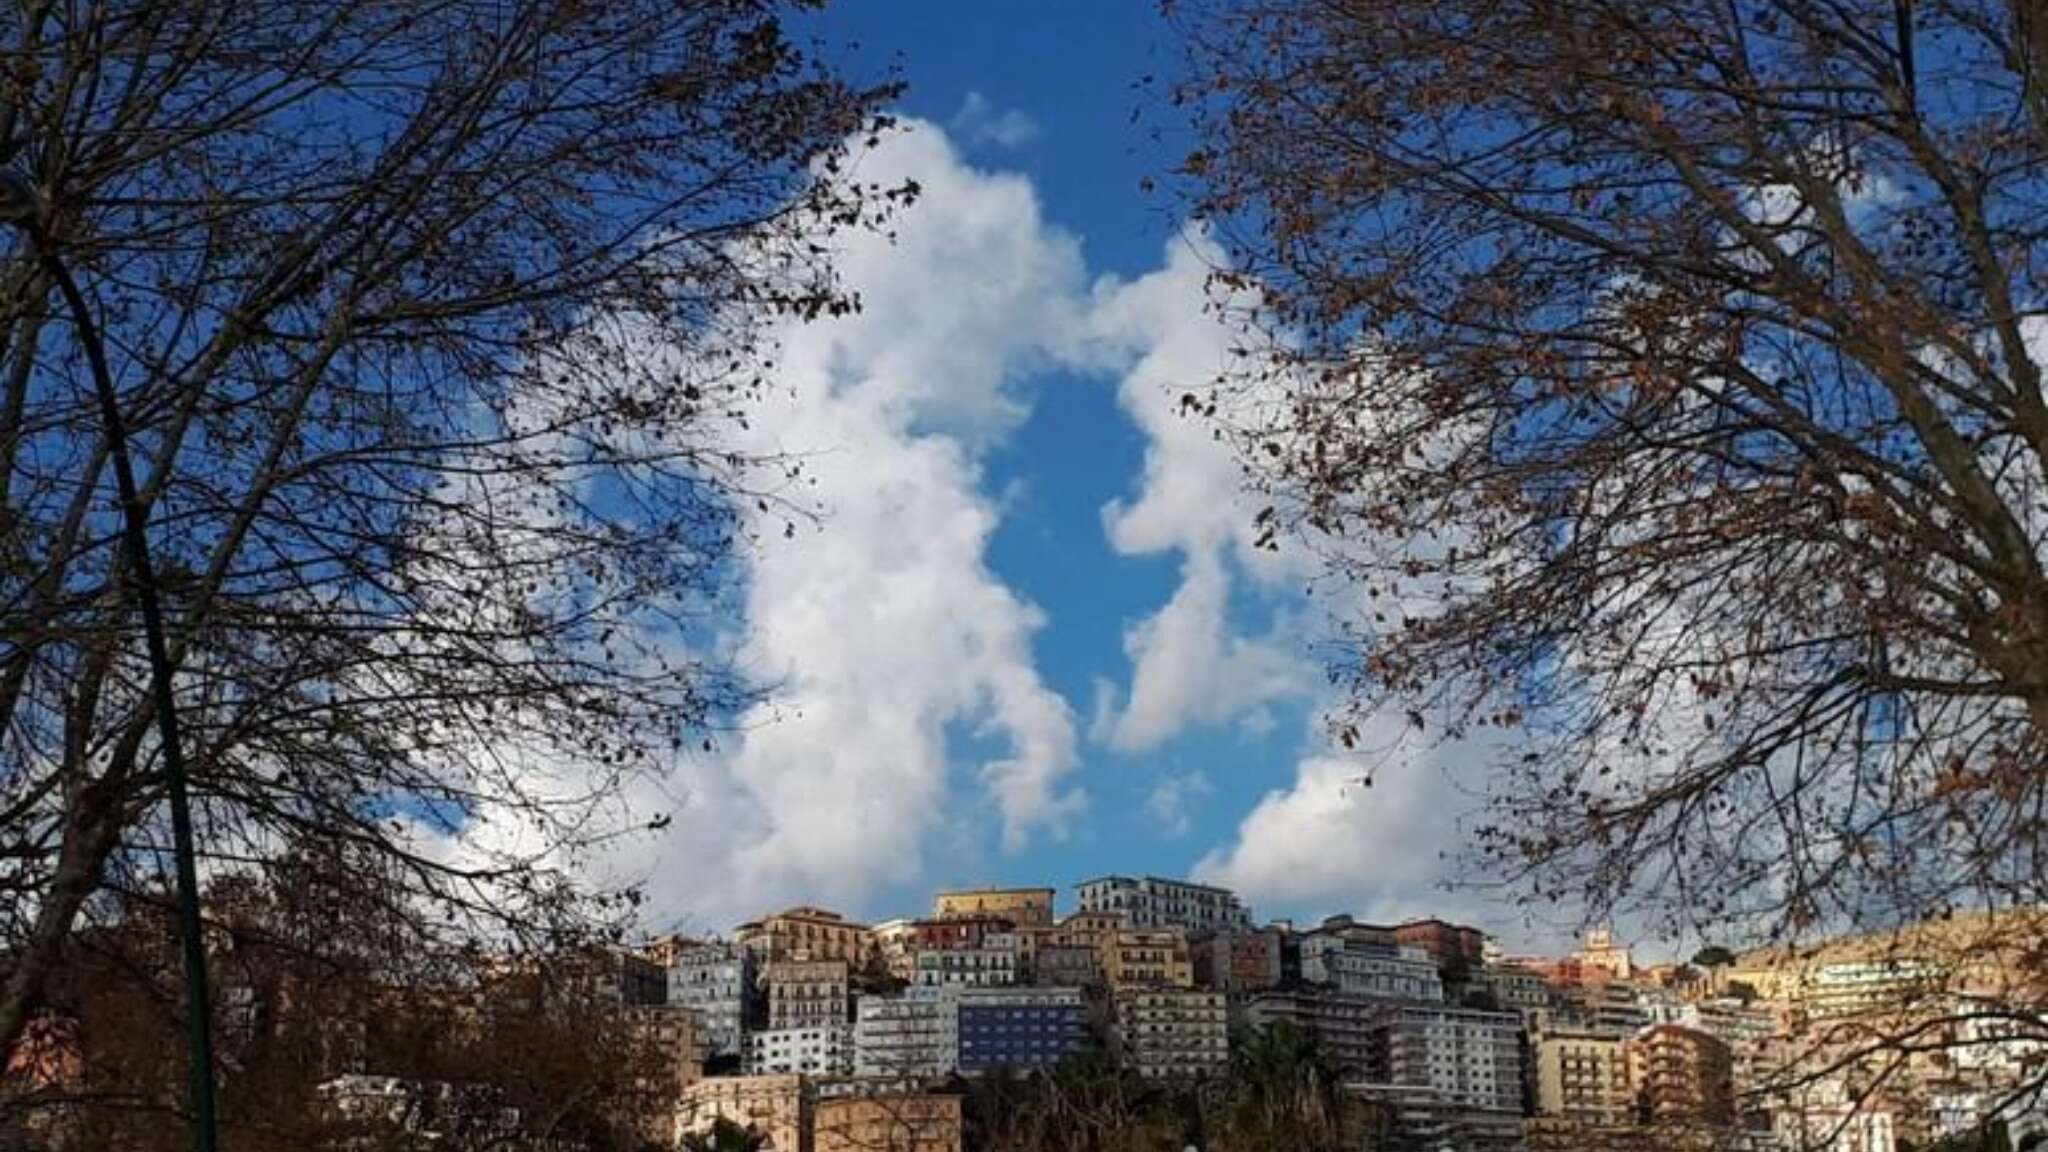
x,y
1330,841
1172,799
882,627
1187,666
979,123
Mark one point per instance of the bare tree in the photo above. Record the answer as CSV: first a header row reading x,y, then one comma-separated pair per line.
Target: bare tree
x,y
379,1046
431,323
1663,382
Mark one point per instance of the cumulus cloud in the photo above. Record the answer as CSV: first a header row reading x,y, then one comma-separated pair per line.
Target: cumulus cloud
x,y
882,629
979,122
1188,666
1173,798
1365,832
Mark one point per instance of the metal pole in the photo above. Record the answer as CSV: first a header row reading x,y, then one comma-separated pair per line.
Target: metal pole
x,y
135,535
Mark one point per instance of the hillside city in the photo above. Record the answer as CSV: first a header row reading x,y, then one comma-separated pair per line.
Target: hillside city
x,y
495,493
815,1033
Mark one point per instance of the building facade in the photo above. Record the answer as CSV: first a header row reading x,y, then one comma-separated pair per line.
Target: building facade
x,y
1173,1033
1147,958
1234,961
665,1060
1019,1027
886,1122
1450,945
1469,1060
1066,966
1022,907
822,1049
1681,1076
806,993
630,978
1364,969
916,1035
1153,902
1583,1077
776,1107
992,965
717,983
1344,1027
807,933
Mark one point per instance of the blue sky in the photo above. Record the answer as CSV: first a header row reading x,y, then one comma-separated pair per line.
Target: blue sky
x,y
1028,640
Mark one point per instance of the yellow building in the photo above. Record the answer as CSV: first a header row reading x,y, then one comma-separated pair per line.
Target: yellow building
x,y
774,1106
1681,1076
806,933
886,1123
1022,907
1583,1077
1147,958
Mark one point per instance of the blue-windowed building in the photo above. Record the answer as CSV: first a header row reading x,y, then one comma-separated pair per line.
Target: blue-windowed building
x,y
1020,1027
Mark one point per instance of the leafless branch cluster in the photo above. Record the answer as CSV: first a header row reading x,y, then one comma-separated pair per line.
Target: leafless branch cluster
x,y
433,324
1663,384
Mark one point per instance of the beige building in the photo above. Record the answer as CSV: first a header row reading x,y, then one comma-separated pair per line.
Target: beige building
x,y
806,993
1022,907
1681,1076
1583,1077
777,1107
896,943
1173,1032
1147,958
807,933
666,1060
886,1123
1599,952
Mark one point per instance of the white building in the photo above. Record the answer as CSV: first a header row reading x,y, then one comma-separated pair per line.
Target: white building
x,y
716,981
1402,973
1173,1032
822,1049
914,1035
1152,902
1468,1059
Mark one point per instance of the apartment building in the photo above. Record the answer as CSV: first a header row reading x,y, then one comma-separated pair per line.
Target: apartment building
x,y
776,1107
630,978
958,932
1168,1033
1467,1059
1515,989
1153,902
824,1048
717,983
886,1122
916,1035
1228,960
1066,966
1022,907
807,933
1344,1026
1368,969
1583,1077
665,1059
806,993
1146,958
1451,945
1019,1027
1681,1076
993,964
